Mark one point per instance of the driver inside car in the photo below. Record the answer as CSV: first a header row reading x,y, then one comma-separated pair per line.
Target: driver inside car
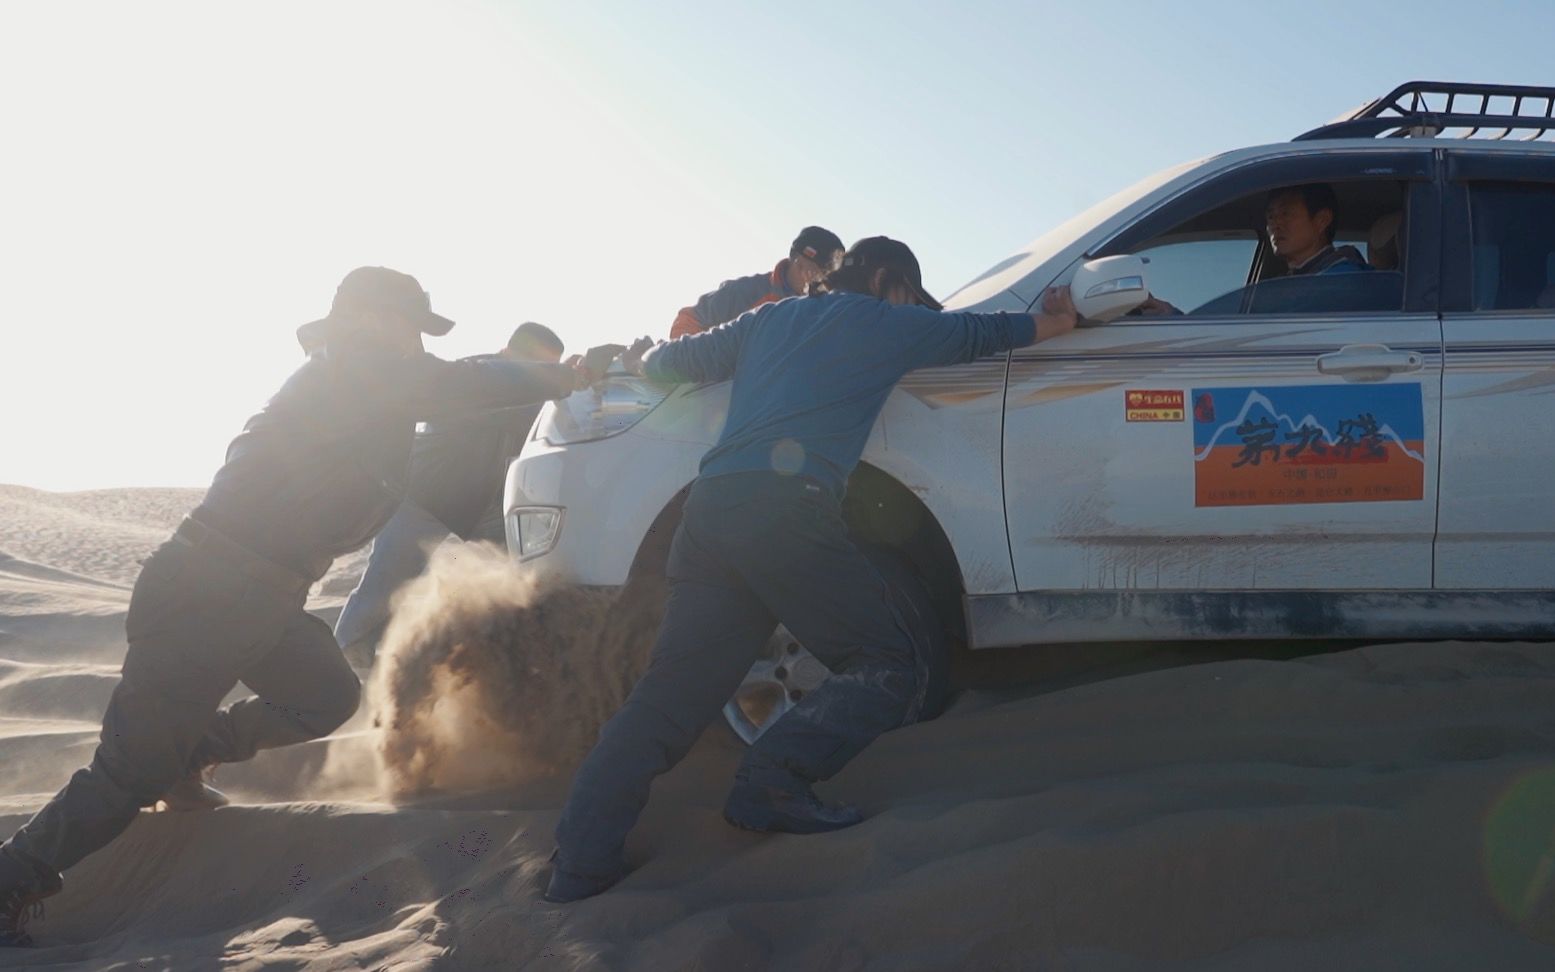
x,y
1301,222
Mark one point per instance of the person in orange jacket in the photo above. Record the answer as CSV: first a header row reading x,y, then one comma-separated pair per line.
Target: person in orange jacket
x,y
815,253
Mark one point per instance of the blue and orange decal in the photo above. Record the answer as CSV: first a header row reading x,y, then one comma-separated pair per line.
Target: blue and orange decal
x,y
1308,444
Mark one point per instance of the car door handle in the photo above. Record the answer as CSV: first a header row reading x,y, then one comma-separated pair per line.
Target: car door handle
x,y
1369,362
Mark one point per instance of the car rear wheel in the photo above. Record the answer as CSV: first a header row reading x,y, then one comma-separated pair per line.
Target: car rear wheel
x,y
786,672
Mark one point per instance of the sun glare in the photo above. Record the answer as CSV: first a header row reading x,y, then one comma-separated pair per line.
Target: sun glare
x,y
185,184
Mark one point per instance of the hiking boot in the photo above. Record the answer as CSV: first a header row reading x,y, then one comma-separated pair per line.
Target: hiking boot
x,y
786,810
193,793
22,903
567,886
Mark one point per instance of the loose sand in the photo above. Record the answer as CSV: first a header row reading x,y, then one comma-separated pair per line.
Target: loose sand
x,y
1385,807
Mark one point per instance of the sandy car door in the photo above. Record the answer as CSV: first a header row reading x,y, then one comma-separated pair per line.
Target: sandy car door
x,y
1280,438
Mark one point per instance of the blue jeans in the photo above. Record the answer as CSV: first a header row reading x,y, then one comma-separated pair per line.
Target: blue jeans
x,y
398,555
753,549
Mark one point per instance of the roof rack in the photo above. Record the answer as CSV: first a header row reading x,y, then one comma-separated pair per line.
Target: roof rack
x,y
1427,109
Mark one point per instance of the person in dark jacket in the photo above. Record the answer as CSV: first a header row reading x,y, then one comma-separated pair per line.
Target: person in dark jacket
x,y
814,254
457,467
762,542
315,474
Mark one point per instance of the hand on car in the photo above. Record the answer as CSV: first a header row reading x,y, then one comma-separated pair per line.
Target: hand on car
x,y
632,358
1156,307
1056,314
591,368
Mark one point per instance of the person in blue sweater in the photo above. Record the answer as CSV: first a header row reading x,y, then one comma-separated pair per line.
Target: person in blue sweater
x,y
762,541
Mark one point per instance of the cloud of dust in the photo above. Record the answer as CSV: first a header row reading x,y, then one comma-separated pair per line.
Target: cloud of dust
x,y
485,679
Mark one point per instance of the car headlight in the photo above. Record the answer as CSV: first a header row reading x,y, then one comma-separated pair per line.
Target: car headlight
x,y
532,530
609,408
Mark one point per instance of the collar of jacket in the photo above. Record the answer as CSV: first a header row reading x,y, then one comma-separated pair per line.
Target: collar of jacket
x,y
779,279
1327,257
1313,262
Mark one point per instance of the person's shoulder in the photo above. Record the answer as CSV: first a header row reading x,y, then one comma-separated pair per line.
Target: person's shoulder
x,y
1346,259
845,298
745,282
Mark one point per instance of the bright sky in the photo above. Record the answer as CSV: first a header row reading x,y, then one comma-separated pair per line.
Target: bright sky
x,y
182,184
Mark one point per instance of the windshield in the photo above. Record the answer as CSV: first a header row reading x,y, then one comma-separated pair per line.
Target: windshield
x,y
1011,270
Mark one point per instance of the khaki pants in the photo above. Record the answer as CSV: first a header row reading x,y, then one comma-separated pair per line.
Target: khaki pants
x,y
202,618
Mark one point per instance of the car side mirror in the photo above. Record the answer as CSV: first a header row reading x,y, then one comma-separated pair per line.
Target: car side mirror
x,y
1108,288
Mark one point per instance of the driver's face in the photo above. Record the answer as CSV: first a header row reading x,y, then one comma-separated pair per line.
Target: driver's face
x,y
1294,232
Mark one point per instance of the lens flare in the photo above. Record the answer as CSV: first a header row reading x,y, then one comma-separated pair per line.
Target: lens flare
x,y
1519,851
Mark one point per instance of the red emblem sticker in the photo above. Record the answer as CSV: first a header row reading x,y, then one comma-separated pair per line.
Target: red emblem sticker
x,y
1152,406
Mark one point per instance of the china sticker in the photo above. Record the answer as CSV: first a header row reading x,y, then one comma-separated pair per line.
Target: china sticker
x,y
1152,406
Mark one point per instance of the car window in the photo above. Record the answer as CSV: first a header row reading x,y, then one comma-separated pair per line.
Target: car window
x,y
1513,231
1198,268
1219,263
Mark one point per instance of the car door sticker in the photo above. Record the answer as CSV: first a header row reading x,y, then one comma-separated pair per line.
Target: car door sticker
x,y
1308,444
1152,406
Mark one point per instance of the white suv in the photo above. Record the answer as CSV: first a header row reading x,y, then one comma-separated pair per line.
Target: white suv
x,y
1360,455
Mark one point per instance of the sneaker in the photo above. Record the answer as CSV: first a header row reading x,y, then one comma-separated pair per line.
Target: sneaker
x,y
19,905
786,810
193,793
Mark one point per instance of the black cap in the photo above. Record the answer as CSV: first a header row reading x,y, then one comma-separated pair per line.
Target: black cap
x,y
379,288
819,244
882,251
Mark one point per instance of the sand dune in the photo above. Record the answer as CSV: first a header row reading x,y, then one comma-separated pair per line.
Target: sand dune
x,y
1386,807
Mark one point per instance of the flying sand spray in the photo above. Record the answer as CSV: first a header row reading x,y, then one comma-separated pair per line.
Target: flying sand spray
x,y
487,680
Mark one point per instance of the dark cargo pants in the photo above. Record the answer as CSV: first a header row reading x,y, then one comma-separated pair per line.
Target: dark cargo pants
x,y
202,618
753,549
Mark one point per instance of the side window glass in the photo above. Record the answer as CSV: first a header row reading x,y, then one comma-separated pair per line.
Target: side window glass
x,y
1513,246
1197,268
1226,263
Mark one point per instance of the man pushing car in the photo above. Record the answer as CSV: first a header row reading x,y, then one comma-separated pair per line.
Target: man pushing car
x,y
763,541
315,474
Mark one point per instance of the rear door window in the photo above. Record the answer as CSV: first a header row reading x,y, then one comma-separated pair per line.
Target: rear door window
x,y
1513,248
